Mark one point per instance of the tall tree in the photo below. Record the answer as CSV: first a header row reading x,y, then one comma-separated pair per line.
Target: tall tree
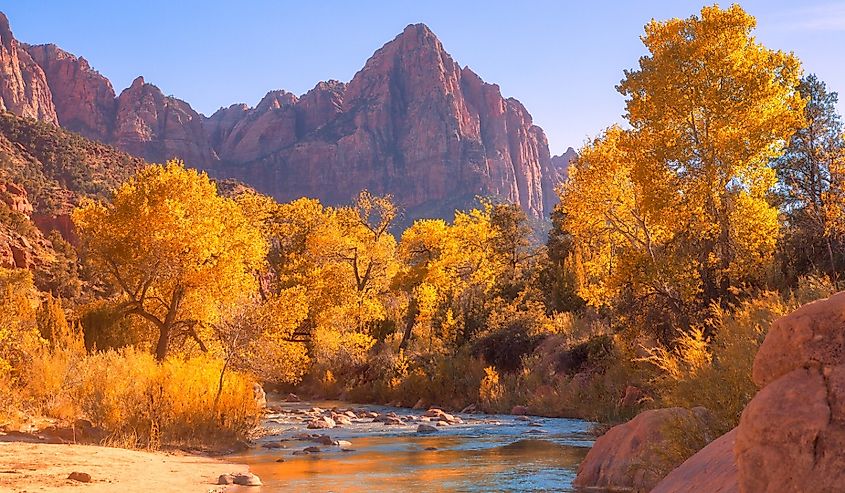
x,y
677,207
174,249
809,173
512,245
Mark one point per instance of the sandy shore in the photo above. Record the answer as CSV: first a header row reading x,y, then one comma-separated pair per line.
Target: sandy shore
x,y
40,467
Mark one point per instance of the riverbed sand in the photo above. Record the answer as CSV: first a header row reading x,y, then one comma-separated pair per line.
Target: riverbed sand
x,y
41,467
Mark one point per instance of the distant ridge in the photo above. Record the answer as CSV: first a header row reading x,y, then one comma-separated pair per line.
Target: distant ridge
x,y
411,122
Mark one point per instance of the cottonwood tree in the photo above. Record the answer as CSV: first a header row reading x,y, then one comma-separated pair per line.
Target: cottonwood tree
x,y
258,336
344,259
674,212
174,249
452,269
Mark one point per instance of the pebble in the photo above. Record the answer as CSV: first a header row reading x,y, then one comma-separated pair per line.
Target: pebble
x,y
82,477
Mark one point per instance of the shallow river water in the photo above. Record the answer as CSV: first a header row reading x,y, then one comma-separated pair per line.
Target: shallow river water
x,y
484,454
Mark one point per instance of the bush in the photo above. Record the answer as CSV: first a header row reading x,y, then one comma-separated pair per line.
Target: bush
x,y
344,354
138,402
513,332
490,391
590,353
19,335
715,372
506,347
450,381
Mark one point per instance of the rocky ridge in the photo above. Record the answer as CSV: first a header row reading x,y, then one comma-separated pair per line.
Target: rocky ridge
x,y
411,122
23,84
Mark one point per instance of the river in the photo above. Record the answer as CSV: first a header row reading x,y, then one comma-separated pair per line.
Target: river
x,y
486,453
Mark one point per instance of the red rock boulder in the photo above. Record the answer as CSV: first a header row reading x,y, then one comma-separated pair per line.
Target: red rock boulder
x,y
792,433
811,336
621,459
711,470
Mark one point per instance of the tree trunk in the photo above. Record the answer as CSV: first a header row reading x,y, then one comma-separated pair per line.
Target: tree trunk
x,y
163,342
166,327
409,325
833,275
220,387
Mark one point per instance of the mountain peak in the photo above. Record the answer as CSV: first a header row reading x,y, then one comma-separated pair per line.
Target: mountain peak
x,y
276,99
415,60
138,82
6,35
418,29
414,37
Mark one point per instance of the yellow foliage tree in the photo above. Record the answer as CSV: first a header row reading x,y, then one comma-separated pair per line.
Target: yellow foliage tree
x,y
174,249
343,258
676,208
19,336
449,270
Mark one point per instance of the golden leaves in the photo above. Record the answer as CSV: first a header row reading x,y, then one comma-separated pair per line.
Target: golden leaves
x,y
678,203
175,249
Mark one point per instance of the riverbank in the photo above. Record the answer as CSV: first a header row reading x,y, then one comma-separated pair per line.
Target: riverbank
x,y
45,467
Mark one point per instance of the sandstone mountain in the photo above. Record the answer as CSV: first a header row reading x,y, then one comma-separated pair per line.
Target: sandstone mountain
x,y
561,163
23,85
411,122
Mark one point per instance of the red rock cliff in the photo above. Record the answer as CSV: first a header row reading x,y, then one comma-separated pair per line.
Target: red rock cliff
x,y
23,85
157,127
412,122
84,99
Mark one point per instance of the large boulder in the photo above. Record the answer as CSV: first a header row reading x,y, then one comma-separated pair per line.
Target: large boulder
x,y
621,458
712,469
791,435
811,336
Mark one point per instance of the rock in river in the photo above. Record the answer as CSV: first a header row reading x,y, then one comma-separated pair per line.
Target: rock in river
x,y
247,479
320,423
424,428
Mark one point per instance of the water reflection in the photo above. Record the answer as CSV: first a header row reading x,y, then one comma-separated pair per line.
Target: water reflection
x,y
486,453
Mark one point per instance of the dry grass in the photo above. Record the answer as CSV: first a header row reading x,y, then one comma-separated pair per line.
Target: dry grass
x,y
138,402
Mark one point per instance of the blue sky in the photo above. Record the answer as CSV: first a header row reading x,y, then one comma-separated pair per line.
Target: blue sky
x,y
561,58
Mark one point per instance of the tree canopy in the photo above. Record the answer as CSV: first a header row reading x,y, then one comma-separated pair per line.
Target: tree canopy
x,y
676,212
174,249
